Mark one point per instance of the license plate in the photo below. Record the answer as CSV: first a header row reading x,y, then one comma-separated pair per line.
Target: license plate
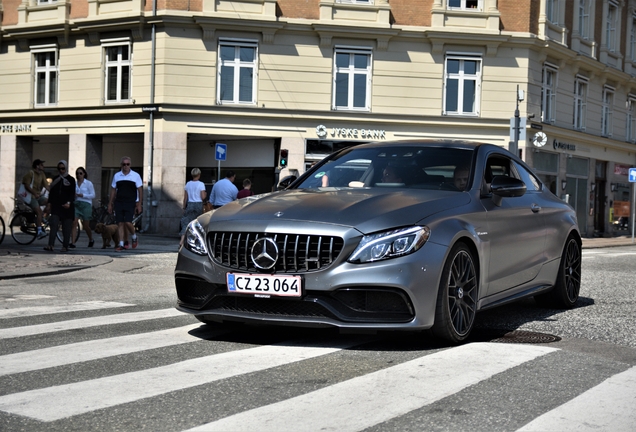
x,y
264,285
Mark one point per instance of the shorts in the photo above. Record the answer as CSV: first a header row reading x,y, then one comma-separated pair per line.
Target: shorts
x,y
35,203
83,210
124,212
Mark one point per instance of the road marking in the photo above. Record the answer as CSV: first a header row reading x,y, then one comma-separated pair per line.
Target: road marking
x,y
96,349
47,310
14,332
396,391
27,297
608,407
54,403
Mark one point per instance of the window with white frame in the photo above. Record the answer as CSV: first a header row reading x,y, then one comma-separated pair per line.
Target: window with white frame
x,y
473,5
46,1
118,71
355,1
580,102
584,18
462,85
552,11
548,94
46,74
630,126
237,72
606,111
352,79
632,40
611,24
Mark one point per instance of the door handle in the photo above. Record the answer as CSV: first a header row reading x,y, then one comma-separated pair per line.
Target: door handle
x,y
535,208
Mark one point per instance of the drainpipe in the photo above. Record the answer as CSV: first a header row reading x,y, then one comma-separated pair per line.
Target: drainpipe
x,y
151,138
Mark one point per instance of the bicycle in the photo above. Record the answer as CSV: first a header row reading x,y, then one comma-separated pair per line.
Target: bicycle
x,y
2,227
23,225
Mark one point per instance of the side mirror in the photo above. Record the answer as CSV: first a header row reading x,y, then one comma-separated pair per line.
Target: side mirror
x,y
506,187
286,181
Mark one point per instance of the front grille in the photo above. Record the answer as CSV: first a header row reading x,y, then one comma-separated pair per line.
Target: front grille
x,y
297,253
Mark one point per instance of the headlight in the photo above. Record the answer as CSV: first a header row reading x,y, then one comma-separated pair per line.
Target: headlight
x,y
390,244
195,238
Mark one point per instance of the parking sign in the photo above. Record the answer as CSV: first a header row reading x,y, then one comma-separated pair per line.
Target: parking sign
x,y
221,151
632,175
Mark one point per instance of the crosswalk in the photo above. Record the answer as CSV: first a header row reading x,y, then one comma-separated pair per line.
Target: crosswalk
x,y
115,368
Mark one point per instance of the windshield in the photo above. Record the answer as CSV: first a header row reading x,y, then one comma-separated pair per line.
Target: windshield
x,y
394,167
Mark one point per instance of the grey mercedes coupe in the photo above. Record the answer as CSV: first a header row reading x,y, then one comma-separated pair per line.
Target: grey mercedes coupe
x,y
407,235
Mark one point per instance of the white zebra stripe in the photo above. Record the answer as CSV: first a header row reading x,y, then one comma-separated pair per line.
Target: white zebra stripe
x,y
54,403
96,349
48,310
14,332
396,391
607,407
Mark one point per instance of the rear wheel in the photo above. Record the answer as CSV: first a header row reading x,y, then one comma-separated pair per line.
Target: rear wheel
x,y
566,290
2,228
23,229
457,296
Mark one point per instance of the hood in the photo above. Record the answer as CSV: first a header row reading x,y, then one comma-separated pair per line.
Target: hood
x,y
367,210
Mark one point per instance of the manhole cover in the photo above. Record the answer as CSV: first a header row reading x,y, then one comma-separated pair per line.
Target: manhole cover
x,y
514,336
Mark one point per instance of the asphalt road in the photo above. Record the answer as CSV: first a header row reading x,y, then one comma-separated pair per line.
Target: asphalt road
x,y
104,349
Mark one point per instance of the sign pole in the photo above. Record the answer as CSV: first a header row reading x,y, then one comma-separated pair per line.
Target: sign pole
x,y
633,209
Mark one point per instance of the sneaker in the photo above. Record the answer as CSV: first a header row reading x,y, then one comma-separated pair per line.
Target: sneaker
x,y
120,249
126,245
135,242
71,245
91,243
41,234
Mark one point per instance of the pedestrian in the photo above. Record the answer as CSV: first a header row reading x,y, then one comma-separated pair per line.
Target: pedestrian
x,y
84,194
247,189
61,200
224,190
193,196
35,184
125,198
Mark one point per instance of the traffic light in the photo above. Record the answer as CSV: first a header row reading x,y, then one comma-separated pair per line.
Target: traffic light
x,y
282,160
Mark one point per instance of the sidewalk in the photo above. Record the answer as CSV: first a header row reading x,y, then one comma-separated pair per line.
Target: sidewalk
x,y
17,261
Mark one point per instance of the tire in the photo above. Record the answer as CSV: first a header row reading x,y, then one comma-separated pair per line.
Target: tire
x,y
565,292
23,228
60,233
2,229
457,296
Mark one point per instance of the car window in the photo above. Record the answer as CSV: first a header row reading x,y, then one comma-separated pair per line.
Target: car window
x,y
531,181
414,167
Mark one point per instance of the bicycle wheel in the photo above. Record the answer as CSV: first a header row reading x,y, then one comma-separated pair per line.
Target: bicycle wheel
x,y
1,230
23,228
60,233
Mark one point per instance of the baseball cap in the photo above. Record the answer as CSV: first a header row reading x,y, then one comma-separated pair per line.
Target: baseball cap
x,y
37,162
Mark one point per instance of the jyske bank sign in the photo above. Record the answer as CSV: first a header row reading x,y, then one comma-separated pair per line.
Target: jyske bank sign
x,y
353,133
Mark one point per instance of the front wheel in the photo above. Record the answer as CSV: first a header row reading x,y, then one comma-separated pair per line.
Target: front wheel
x,y
457,296
23,229
60,233
2,227
566,290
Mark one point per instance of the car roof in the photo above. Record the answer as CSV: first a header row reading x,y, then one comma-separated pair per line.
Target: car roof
x,y
463,144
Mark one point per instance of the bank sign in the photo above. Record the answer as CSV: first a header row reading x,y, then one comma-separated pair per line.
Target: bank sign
x,y
15,128
354,133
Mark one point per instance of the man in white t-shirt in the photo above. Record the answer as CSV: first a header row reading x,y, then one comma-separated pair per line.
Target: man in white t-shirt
x,y
125,198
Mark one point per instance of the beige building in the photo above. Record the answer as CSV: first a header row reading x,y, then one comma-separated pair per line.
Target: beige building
x,y
165,82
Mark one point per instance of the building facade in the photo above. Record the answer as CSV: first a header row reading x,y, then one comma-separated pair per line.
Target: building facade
x,y
165,81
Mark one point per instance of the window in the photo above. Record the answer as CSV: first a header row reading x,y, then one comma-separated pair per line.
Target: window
x,y
580,102
40,2
632,40
462,84
548,94
610,26
465,4
352,79
45,61
118,72
237,73
355,1
606,115
631,119
552,11
584,18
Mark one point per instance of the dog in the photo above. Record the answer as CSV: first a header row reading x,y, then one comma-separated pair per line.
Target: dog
x,y
108,232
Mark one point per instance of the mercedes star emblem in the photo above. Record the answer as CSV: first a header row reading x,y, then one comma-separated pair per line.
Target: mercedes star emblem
x,y
264,253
